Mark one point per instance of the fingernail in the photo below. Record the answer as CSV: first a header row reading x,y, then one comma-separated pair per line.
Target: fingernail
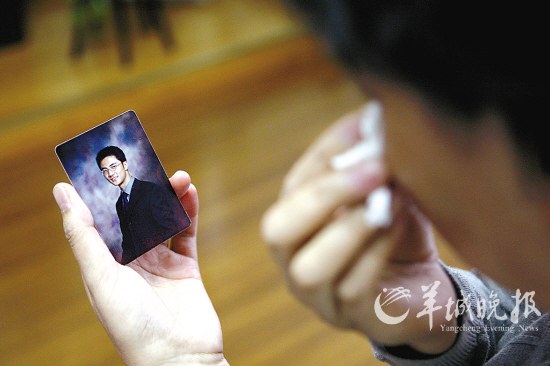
x,y
62,198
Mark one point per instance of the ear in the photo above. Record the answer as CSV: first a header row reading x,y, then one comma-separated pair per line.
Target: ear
x,y
125,165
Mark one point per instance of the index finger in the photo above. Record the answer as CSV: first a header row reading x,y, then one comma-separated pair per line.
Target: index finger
x,y
337,138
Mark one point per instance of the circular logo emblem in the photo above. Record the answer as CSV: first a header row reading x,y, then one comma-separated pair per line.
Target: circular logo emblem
x,y
391,296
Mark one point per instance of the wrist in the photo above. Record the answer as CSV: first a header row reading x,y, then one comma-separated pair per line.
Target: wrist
x,y
437,339
425,329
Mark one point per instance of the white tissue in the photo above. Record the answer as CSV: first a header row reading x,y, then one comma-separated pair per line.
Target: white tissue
x,y
372,139
371,125
378,213
371,128
352,156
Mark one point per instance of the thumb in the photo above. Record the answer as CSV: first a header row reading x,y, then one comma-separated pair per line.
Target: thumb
x,y
89,249
416,241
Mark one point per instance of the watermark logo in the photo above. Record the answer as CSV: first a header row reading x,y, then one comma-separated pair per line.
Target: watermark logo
x,y
390,297
480,307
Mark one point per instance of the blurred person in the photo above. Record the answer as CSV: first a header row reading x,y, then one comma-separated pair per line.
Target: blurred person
x,y
464,151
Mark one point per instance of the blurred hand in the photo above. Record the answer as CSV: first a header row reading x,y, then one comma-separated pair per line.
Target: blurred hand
x,y
155,309
338,265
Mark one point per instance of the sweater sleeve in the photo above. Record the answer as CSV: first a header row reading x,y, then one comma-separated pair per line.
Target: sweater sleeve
x,y
489,318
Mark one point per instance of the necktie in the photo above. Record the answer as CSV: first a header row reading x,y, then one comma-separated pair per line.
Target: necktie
x,y
125,201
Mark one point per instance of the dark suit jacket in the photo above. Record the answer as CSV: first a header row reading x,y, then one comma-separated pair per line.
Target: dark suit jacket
x,y
153,215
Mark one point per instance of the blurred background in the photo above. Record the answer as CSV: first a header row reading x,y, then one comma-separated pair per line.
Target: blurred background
x,y
230,91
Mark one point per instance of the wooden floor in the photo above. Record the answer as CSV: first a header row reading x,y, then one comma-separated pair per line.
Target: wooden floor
x,y
238,100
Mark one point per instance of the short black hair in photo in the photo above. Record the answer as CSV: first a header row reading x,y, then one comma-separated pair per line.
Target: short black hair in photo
x,y
110,151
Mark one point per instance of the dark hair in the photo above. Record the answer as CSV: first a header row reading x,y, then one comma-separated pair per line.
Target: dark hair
x,y
467,57
110,151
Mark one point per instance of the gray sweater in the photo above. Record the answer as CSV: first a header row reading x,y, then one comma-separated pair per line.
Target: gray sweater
x,y
507,337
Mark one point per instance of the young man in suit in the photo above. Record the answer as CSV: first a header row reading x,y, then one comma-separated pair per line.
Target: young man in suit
x,y
146,211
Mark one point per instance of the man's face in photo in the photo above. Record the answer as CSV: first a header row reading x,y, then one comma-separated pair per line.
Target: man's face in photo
x,y
115,171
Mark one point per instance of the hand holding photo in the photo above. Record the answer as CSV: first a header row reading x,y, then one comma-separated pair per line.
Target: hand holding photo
x,y
120,178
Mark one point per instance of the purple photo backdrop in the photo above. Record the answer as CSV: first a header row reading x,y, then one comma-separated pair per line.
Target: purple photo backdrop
x,y
78,159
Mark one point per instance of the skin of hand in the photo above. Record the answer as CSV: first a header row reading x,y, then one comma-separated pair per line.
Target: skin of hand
x,y
336,264
155,309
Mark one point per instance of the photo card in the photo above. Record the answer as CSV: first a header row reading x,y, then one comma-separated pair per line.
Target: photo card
x,y
116,171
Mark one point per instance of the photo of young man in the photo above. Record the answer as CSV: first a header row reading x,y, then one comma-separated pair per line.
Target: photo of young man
x,y
147,211
131,200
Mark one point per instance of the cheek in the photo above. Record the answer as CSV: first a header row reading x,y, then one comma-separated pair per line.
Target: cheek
x,y
421,159
410,148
